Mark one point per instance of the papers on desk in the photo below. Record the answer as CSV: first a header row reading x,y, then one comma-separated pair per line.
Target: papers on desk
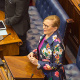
x,y
3,32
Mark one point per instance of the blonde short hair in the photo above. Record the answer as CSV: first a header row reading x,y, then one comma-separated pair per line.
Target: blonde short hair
x,y
56,20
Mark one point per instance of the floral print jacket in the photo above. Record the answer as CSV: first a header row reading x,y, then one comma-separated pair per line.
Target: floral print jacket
x,y
50,57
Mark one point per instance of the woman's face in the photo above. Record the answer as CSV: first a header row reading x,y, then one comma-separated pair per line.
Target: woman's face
x,y
47,27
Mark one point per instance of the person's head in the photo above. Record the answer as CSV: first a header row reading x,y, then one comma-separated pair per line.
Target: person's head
x,y
51,24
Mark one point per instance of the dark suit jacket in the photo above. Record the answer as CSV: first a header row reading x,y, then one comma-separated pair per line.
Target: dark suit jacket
x,y
2,3
16,14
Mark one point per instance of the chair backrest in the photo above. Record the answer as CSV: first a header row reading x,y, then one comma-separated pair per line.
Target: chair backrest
x,y
78,58
53,7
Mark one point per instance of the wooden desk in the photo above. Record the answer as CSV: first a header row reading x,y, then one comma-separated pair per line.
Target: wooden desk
x,y
10,45
20,68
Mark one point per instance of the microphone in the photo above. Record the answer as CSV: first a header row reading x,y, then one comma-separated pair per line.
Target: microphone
x,y
6,36
31,76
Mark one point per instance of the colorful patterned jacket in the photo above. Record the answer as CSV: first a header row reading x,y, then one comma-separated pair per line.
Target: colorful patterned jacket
x,y
51,55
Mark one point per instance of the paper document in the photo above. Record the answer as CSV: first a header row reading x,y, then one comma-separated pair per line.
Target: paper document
x,y
3,32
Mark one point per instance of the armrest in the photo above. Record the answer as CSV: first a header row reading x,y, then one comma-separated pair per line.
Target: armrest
x,y
69,20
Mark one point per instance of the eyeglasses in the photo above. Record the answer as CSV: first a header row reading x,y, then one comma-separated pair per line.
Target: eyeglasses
x,y
45,25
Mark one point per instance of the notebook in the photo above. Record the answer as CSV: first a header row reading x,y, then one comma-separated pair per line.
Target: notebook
x,y
2,25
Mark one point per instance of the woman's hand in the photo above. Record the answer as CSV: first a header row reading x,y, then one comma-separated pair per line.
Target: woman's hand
x,y
30,55
33,60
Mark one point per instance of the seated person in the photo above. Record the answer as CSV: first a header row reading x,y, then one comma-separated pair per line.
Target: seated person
x,y
49,54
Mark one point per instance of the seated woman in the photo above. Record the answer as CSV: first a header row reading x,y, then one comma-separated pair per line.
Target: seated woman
x,y
50,50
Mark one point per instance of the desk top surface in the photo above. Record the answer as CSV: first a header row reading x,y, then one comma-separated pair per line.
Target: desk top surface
x,y
21,67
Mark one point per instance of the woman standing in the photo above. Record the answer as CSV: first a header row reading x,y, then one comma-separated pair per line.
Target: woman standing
x,y
50,50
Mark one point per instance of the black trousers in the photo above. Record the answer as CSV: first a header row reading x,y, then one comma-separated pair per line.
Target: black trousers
x,y
23,49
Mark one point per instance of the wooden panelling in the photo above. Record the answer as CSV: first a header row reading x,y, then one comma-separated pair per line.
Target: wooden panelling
x,y
73,30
